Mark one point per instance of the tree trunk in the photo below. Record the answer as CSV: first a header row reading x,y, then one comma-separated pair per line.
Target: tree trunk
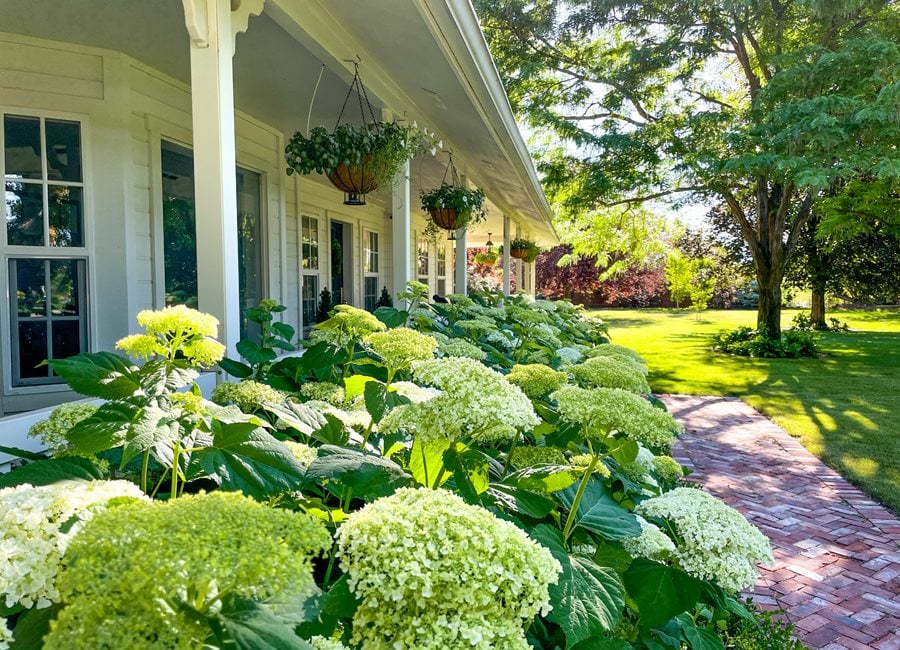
x,y
768,314
817,308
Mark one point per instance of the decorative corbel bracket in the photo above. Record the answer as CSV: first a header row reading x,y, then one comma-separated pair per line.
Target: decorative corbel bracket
x,y
196,18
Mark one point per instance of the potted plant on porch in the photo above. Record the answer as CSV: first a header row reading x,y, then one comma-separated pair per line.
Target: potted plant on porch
x,y
356,158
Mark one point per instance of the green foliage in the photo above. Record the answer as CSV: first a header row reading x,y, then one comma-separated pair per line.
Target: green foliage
x,y
383,147
747,342
468,204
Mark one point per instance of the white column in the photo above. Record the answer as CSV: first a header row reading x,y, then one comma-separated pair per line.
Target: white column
x,y
460,279
506,240
212,105
401,230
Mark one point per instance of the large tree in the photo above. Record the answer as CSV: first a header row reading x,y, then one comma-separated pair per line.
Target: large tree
x,y
760,104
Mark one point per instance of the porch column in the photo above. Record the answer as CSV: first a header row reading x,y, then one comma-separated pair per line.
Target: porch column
x,y
212,105
401,230
506,240
460,279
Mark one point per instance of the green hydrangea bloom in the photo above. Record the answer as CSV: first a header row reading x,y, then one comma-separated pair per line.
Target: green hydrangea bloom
x,y
603,410
610,372
667,468
176,329
715,541
476,403
529,456
131,565
583,461
536,379
461,348
398,348
325,391
246,394
52,431
347,324
433,572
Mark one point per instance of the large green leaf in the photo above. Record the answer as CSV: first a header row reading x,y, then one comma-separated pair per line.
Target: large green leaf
x,y
599,512
369,476
53,470
426,460
248,625
99,374
660,592
107,427
588,599
547,478
153,426
245,458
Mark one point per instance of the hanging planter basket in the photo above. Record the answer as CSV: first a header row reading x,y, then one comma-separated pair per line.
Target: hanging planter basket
x,y
453,206
357,159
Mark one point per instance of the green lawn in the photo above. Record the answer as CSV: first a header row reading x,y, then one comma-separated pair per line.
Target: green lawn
x,y
842,406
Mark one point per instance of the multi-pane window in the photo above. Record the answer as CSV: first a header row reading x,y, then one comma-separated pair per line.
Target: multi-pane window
x,y
424,261
370,270
309,279
441,270
44,243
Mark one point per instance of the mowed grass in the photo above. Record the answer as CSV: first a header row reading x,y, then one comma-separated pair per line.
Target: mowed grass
x,y
843,406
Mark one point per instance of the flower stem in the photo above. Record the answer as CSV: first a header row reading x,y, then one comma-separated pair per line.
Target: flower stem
x,y
573,511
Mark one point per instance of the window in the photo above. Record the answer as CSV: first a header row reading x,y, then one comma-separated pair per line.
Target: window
x,y
309,286
180,233
44,243
371,291
423,262
442,270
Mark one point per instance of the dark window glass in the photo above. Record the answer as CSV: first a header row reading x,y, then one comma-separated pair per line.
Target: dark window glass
x,y
24,214
22,147
32,349
66,338
66,215
63,150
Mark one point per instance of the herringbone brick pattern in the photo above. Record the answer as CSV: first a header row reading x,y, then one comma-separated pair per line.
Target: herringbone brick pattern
x,y
837,552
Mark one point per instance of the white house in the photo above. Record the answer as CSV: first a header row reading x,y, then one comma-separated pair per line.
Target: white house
x,y
124,121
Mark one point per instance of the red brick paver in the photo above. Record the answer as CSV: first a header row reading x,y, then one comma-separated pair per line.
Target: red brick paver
x,y
837,552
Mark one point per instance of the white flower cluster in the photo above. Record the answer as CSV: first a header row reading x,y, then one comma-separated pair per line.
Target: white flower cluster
x,y
477,402
715,541
35,529
652,543
433,572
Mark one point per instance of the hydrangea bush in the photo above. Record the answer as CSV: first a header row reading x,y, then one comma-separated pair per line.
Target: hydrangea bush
x,y
486,473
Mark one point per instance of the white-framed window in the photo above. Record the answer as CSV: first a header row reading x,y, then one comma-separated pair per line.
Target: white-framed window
x,y
309,269
180,232
44,244
371,269
441,265
423,261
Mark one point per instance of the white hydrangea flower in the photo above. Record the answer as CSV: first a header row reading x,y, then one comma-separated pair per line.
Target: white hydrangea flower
x,y
716,541
35,529
433,572
415,393
568,355
652,543
477,402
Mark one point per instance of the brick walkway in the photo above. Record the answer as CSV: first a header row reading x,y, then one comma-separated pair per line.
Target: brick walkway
x,y
837,558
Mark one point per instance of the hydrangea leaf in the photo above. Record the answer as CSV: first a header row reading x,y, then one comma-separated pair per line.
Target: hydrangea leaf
x,y
588,599
661,592
368,475
98,374
599,512
52,470
244,458
426,460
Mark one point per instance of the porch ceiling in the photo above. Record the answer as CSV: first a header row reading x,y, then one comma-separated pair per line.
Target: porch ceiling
x,y
420,58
